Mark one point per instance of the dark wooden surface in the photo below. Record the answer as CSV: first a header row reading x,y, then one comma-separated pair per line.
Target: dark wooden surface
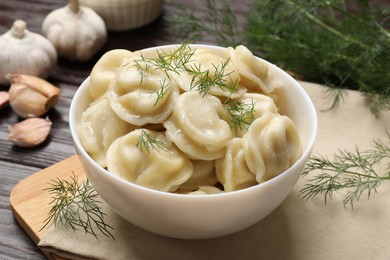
x,y
17,163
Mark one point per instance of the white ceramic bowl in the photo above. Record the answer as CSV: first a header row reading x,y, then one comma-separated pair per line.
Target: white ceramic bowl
x,y
202,216
120,15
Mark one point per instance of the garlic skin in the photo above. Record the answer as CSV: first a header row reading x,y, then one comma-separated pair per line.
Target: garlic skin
x,y
76,32
30,132
30,96
25,52
4,99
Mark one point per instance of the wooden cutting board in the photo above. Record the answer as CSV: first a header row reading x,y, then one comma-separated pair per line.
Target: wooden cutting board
x,y
30,202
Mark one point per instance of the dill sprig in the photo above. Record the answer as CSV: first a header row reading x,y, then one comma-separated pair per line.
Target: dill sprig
x,y
241,114
142,67
180,60
341,44
149,141
354,172
168,61
164,87
204,80
76,205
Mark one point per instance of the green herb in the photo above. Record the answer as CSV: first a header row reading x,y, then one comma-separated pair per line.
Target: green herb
x,y
167,61
218,20
177,61
76,206
142,67
339,43
164,87
149,141
354,172
326,42
202,81
241,114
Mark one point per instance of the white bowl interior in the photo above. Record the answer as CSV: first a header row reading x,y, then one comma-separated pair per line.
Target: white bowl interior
x,y
202,216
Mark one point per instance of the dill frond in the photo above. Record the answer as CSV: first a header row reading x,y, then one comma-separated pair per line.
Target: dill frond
x,y
148,142
339,43
76,206
142,67
204,80
353,172
241,114
180,60
164,87
167,61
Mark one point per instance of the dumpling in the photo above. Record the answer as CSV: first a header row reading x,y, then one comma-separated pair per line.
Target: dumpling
x,y
271,146
205,190
254,73
146,158
198,126
247,108
141,98
99,126
231,170
209,73
203,175
105,70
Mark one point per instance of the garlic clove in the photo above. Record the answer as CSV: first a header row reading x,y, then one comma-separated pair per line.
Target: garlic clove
x,y
4,99
31,96
30,132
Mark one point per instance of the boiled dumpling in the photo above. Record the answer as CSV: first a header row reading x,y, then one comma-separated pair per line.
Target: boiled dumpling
x,y
203,175
142,98
271,146
247,108
205,190
198,126
146,158
105,70
99,126
231,170
254,73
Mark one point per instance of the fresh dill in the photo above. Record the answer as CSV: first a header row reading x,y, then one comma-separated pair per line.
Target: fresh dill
x,y
343,44
150,141
142,67
164,87
204,80
180,60
241,114
354,172
168,61
76,205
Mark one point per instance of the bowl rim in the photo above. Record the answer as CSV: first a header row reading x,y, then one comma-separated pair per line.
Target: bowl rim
x,y
304,154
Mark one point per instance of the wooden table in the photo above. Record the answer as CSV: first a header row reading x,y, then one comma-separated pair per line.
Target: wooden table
x,y
17,163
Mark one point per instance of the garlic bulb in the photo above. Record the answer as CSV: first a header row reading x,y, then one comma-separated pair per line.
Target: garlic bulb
x,y
30,96
77,32
22,51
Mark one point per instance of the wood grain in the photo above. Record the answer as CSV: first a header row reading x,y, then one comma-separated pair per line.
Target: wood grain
x,y
29,201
